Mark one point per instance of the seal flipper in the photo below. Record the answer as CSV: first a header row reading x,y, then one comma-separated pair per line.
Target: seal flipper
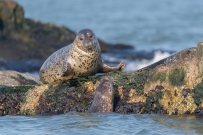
x,y
66,69
104,68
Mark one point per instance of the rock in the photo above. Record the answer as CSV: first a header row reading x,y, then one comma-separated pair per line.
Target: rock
x,y
122,47
171,86
19,65
23,39
106,47
13,78
11,15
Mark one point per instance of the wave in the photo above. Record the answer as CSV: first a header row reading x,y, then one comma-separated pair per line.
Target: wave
x,y
138,64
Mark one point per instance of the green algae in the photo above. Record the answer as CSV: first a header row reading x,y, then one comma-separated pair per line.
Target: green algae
x,y
140,80
126,80
64,98
175,93
85,105
31,112
198,93
177,76
132,80
14,89
159,77
152,100
22,112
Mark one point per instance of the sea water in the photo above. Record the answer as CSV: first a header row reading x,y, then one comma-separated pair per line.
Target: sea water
x,y
163,26
74,123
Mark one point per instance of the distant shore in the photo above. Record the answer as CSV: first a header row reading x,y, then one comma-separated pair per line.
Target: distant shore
x,y
25,43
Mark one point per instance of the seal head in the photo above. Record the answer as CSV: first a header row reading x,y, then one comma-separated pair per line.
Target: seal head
x,y
103,96
86,40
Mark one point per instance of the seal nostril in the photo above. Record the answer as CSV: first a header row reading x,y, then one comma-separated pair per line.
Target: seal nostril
x,y
91,36
81,39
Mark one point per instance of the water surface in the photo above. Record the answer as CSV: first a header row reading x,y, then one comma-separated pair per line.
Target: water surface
x,y
107,123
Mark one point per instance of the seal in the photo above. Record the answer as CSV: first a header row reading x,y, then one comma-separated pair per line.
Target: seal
x,y
81,58
103,96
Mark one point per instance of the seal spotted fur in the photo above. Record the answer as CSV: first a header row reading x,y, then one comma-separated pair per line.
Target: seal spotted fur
x,y
103,96
81,58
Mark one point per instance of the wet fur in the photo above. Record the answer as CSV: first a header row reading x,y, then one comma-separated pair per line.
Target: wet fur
x,y
103,96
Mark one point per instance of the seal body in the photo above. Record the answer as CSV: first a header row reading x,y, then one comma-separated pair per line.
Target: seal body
x,y
103,96
81,58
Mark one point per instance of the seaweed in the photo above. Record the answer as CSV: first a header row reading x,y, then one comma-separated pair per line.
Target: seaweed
x,y
158,77
198,93
177,76
152,102
14,89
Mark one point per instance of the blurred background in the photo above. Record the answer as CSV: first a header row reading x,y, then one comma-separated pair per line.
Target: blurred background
x,y
141,32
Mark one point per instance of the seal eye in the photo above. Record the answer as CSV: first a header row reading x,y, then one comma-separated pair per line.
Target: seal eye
x,y
81,39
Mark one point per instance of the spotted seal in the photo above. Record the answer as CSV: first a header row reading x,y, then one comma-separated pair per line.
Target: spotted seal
x,y
81,58
103,96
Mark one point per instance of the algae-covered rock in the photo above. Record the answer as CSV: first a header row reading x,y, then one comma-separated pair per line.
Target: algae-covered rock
x,y
170,86
11,99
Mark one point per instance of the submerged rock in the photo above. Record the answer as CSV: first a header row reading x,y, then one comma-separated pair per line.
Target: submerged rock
x,y
171,86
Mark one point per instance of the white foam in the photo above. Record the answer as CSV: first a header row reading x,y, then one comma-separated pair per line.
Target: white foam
x,y
138,64
35,73
109,57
